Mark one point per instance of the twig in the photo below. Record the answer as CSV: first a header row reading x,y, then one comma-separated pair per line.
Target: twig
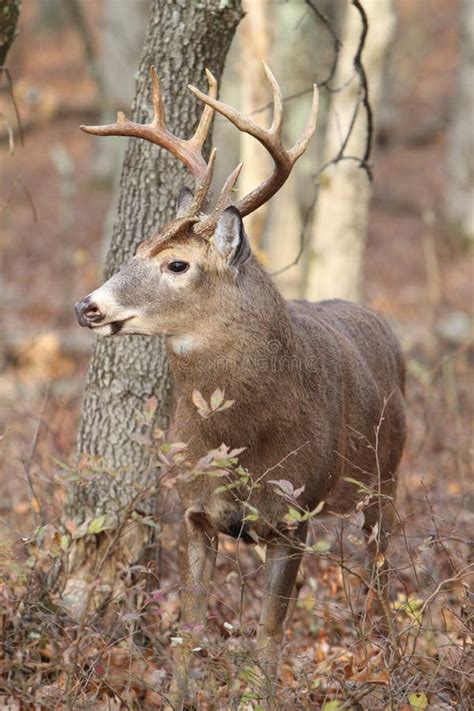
x,y
27,462
337,44
363,161
359,67
6,202
4,70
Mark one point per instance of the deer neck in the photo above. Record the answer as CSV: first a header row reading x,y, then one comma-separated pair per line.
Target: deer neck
x,y
240,345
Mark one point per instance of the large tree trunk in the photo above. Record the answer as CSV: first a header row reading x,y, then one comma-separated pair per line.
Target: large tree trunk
x,y
460,179
340,223
182,39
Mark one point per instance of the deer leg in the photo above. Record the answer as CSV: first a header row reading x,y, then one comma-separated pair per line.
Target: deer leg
x,y
282,562
381,517
300,581
197,557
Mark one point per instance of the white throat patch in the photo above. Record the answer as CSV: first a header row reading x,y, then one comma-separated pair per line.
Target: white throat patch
x,y
183,345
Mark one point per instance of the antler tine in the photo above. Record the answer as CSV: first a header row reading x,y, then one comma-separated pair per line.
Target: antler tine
x,y
225,197
188,152
157,101
270,139
202,130
223,201
277,122
202,190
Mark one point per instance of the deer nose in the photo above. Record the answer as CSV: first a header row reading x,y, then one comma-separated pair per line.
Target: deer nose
x,y
87,312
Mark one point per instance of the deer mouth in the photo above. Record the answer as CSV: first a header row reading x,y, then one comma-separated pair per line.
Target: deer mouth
x,y
113,328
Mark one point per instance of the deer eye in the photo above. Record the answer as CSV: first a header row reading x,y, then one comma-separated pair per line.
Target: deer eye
x,y
177,267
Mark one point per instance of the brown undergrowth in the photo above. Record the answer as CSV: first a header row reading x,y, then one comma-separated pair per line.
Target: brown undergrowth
x,y
334,657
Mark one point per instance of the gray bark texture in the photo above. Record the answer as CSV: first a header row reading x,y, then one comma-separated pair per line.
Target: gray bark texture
x,y
183,38
9,14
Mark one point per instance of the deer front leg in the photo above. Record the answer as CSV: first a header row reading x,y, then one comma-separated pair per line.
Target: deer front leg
x,y
197,557
281,569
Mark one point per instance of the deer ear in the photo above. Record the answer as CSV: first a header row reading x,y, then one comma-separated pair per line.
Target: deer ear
x,y
183,203
230,239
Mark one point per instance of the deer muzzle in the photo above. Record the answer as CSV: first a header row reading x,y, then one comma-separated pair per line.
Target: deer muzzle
x,y
88,313
100,312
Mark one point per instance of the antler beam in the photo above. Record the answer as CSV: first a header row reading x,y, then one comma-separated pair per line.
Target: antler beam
x,y
188,151
270,139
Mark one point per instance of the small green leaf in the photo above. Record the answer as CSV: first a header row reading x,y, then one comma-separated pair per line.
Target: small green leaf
x,y
293,515
96,525
318,508
151,522
61,464
359,484
331,705
252,514
321,547
226,487
418,700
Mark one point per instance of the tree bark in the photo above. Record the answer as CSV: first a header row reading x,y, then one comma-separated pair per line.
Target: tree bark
x,y
9,14
460,178
183,38
340,224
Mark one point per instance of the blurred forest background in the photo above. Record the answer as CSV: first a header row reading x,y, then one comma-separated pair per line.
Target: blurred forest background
x,y
401,244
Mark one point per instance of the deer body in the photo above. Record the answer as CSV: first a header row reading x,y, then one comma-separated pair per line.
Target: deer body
x,y
318,388
309,383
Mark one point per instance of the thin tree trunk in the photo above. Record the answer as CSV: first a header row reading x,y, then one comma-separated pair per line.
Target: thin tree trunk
x,y
284,230
460,179
254,45
299,54
182,39
340,223
124,26
9,14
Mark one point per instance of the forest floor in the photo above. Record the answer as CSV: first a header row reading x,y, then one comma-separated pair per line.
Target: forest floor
x,y
52,213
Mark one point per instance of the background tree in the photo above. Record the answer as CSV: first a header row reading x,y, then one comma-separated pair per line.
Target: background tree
x,y
181,40
460,179
340,223
254,47
9,14
124,25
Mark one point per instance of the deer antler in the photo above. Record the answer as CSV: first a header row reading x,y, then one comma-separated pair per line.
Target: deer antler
x,y
188,151
270,139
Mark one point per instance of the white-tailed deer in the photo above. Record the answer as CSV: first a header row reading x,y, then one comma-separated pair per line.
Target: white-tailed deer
x,y
318,388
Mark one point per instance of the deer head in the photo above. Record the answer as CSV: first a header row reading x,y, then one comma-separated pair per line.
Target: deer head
x,y
176,276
